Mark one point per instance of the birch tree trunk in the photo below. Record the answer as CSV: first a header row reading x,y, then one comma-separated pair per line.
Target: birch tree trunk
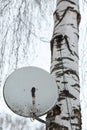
x,y
66,115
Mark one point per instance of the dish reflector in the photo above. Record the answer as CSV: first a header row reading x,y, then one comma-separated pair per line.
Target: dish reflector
x,y
30,90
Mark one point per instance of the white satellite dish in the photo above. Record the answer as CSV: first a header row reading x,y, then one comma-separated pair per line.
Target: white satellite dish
x,y
30,90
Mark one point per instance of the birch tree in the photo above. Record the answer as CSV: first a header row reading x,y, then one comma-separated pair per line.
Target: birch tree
x,y
66,115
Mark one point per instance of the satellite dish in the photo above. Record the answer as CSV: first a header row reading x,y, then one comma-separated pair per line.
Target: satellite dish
x,y
30,90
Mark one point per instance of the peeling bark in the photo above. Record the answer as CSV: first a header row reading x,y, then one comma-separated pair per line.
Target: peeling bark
x,y
64,66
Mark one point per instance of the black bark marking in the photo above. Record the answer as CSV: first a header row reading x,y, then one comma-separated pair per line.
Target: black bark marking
x,y
57,80
56,110
58,46
71,2
62,58
56,14
78,18
66,93
75,124
73,72
68,118
76,85
76,34
60,67
70,24
60,50
76,111
61,98
77,90
59,59
76,55
69,8
59,64
57,67
66,10
67,43
64,82
55,26
58,39
56,126
49,114
66,25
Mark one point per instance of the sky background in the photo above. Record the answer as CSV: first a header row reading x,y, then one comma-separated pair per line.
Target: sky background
x,y
25,32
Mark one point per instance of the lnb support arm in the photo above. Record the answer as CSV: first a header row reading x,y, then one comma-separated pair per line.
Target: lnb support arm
x,y
41,120
47,123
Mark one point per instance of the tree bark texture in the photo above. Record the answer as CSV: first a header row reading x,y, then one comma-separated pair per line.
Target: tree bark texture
x,y
65,67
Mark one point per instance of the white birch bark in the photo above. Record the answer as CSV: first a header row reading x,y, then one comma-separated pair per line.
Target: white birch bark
x,y
64,66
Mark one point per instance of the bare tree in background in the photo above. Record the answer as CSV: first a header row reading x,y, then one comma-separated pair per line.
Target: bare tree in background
x,y
24,36
66,115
